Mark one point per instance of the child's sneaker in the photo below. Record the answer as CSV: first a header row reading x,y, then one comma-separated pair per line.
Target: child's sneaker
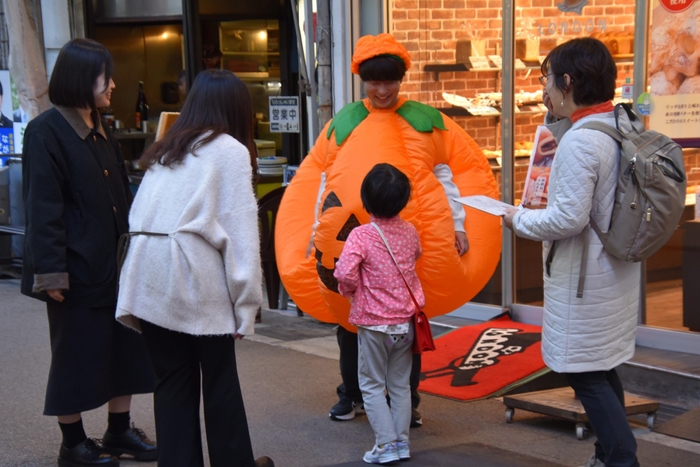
x,y
382,454
403,449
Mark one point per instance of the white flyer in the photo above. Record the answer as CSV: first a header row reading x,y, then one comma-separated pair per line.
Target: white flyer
x,y
486,204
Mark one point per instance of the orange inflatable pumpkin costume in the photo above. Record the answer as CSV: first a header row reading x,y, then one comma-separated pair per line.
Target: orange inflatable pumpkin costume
x,y
414,138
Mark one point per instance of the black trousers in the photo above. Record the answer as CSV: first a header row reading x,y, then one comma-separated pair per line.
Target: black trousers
x,y
349,389
179,359
603,398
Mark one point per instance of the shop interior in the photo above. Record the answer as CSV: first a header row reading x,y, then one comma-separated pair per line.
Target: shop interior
x,y
152,48
457,69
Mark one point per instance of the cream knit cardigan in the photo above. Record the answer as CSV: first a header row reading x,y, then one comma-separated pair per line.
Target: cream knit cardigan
x,y
204,278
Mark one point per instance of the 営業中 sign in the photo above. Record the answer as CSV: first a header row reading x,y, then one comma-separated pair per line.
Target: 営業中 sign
x,y
284,114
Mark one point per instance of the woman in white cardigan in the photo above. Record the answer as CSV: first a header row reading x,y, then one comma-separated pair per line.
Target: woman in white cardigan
x,y
585,337
191,280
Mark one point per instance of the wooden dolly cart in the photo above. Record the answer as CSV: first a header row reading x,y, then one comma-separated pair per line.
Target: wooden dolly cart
x,y
562,403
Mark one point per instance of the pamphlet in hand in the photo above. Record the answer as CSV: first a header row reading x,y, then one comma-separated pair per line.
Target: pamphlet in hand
x,y
486,204
536,190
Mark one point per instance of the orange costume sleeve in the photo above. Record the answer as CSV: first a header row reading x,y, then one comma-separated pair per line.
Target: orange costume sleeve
x,y
414,138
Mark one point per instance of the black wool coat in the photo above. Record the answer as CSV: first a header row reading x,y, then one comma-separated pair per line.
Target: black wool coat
x,y
77,198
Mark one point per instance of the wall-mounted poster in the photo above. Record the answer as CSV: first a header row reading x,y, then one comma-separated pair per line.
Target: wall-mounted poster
x,y
19,117
536,188
675,70
7,136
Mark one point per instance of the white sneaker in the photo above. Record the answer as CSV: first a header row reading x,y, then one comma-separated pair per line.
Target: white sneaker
x,y
382,455
594,462
403,449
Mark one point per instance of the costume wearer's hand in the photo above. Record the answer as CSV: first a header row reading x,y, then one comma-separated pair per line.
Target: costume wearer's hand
x,y
310,246
508,217
238,336
461,243
56,294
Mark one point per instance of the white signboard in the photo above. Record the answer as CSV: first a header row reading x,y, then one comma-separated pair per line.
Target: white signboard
x,y
284,114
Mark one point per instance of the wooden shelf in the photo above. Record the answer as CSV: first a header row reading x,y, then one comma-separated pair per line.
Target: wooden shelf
x,y
462,112
436,69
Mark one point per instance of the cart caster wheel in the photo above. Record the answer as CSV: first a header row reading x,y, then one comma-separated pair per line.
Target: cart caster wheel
x,y
509,414
651,419
580,432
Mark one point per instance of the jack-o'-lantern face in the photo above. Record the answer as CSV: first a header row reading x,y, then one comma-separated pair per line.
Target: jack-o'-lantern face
x,y
325,274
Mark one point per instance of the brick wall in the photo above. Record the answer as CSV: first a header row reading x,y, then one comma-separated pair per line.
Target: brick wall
x,y
430,29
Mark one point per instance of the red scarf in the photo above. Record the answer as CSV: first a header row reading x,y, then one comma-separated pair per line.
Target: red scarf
x,y
596,109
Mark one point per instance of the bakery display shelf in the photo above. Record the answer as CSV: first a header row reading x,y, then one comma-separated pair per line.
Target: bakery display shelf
x,y
462,112
436,69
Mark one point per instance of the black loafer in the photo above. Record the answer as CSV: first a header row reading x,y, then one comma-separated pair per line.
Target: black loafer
x,y
89,452
133,443
264,462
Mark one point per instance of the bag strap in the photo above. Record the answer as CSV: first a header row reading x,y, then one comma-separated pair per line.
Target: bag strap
x,y
614,133
584,264
381,234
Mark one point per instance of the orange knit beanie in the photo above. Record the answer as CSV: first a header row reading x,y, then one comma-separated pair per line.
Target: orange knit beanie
x,y
372,46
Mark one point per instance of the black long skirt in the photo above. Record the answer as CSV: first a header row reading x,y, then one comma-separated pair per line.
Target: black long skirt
x,y
94,359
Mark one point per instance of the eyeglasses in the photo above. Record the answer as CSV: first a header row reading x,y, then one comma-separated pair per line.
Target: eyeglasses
x,y
543,79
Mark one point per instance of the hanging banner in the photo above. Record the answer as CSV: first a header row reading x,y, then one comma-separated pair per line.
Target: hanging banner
x,y
675,70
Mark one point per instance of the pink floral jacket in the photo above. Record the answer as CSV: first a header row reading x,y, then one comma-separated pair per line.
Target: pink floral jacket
x,y
367,275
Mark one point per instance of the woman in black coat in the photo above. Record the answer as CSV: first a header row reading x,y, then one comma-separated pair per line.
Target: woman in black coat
x,y
77,198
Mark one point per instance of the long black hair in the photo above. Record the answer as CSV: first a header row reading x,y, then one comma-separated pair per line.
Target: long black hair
x,y
218,103
78,65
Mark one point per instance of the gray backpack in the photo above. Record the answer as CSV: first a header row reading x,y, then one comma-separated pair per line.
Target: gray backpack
x,y
650,195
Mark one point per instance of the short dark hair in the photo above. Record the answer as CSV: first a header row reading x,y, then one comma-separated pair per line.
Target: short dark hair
x,y
1,93
219,103
80,62
385,191
383,68
589,64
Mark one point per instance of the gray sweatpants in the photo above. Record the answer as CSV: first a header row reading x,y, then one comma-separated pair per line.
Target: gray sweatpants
x,y
384,362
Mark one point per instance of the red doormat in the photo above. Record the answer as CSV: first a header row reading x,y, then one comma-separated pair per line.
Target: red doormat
x,y
484,360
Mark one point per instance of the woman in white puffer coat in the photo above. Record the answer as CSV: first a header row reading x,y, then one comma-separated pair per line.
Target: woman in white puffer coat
x,y
585,337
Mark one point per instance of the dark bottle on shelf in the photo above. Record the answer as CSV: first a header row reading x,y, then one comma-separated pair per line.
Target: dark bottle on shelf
x,y
141,109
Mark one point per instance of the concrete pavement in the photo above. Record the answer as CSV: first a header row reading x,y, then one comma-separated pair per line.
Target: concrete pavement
x,y
289,371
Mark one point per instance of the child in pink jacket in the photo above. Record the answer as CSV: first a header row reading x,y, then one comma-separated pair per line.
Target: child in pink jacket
x,y
382,308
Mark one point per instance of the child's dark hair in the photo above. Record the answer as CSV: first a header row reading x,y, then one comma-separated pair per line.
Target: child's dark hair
x,y
385,191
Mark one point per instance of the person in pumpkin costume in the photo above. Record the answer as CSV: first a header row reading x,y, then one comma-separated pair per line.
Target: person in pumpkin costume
x,y
323,202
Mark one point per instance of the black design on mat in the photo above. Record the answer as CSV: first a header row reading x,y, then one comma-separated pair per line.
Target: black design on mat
x,y
492,345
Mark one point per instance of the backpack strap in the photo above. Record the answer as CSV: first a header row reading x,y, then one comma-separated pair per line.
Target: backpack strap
x,y
615,134
604,128
584,264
